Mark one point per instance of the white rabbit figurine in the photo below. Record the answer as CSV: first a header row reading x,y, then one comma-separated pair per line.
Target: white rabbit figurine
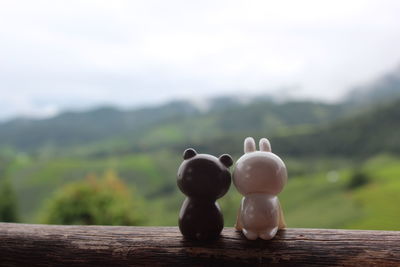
x,y
259,176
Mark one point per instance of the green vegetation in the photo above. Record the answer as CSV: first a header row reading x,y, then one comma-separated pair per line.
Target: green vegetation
x,y
8,202
105,201
358,179
109,131
380,199
343,163
366,134
320,197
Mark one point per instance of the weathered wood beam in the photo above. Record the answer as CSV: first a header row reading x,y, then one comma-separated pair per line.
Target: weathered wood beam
x,y
52,245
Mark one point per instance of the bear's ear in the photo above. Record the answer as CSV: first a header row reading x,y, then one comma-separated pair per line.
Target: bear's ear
x,y
189,153
249,145
226,160
265,145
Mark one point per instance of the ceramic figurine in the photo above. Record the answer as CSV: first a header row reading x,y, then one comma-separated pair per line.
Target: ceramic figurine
x,y
259,176
203,179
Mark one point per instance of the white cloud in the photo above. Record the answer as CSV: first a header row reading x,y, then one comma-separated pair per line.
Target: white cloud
x,y
68,54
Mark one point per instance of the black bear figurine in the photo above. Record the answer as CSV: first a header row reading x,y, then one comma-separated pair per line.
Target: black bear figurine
x,y
203,179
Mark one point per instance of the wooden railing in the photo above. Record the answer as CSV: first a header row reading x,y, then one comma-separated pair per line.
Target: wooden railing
x,y
45,245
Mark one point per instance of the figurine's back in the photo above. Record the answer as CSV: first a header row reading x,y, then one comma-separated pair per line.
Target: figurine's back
x,y
201,220
203,179
260,216
259,176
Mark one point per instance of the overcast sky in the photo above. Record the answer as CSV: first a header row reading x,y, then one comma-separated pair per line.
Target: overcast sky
x,y
57,55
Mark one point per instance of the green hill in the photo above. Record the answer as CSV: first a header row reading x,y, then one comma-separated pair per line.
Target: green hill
x,y
171,124
383,89
364,135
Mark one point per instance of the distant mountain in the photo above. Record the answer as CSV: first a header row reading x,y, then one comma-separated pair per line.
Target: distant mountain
x,y
176,122
201,122
383,89
78,128
364,135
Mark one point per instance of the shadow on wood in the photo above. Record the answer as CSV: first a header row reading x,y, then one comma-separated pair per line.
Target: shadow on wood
x,y
52,245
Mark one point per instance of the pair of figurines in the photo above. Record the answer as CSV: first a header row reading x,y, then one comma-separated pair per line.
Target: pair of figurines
x,y
258,175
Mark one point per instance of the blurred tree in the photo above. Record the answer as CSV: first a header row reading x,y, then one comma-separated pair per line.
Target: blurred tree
x,y
358,179
105,201
8,202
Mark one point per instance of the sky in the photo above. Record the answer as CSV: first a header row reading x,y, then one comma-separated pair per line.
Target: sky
x,y
58,55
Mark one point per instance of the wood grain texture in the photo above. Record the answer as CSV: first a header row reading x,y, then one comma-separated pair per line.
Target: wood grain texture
x,y
45,245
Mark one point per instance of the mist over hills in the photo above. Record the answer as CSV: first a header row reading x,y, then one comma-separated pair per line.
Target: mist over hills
x,y
328,128
385,88
75,128
373,132
179,121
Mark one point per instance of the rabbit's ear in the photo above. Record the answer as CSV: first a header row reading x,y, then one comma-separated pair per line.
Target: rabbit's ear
x,y
226,160
249,145
265,145
189,153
